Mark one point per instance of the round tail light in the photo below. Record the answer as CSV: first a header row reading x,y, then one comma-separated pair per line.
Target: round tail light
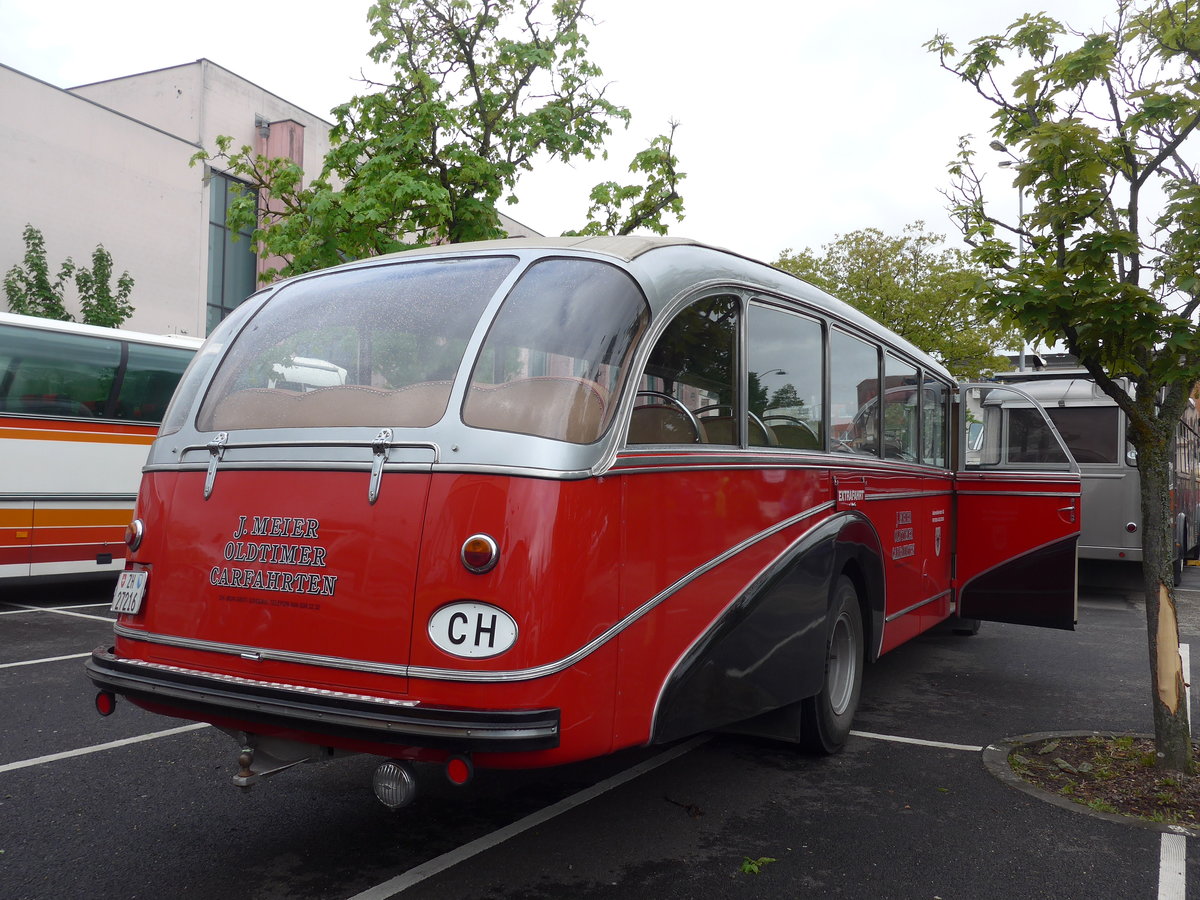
x,y
480,553
134,532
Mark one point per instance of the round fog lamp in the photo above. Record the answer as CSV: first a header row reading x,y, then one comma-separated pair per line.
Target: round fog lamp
x,y
395,783
480,553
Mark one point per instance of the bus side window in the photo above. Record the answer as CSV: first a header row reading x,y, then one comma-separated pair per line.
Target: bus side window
x,y
151,375
853,395
935,399
54,374
785,356
901,410
687,393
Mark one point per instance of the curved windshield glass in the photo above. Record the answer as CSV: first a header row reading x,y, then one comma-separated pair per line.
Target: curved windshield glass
x,y
555,358
376,347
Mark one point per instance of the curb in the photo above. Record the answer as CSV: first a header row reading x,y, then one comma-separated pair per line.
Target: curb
x,y
995,760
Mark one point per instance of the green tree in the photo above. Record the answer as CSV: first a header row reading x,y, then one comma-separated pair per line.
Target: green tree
x,y
482,89
98,304
907,283
30,291
1101,129
786,397
28,286
622,209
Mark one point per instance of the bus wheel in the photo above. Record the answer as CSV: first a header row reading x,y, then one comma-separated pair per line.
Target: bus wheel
x,y
825,718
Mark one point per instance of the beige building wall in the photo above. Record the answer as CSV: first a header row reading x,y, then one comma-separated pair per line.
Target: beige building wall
x,y
84,175
108,163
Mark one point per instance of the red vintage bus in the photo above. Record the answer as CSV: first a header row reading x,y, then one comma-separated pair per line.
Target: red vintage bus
x,y
559,497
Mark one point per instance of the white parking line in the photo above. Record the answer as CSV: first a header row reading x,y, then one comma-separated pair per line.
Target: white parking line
x,y
1172,884
1172,849
896,739
438,864
1172,868
34,662
98,748
57,610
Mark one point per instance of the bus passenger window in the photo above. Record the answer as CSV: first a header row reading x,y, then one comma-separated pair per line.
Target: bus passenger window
x,y
853,395
785,356
901,409
555,358
56,374
151,374
687,394
934,401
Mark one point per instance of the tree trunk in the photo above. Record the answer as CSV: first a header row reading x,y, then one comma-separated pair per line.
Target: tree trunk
x,y
1171,734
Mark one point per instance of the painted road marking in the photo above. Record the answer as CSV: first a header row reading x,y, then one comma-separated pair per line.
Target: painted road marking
x,y
99,748
896,739
461,854
1172,868
1172,850
57,610
34,662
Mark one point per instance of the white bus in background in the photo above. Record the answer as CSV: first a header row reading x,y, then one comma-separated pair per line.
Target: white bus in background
x,y
79,408
1094,428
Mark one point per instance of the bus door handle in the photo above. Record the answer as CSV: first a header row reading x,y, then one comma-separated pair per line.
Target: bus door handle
x,y
1067,513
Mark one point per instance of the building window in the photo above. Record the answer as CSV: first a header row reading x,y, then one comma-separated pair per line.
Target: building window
x,y
232,264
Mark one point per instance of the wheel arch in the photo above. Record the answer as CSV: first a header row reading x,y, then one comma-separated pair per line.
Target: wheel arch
x,y
740,667
860,558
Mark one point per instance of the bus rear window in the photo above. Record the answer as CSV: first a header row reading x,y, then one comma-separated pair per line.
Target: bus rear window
x,y
556,356
1090,432
370,347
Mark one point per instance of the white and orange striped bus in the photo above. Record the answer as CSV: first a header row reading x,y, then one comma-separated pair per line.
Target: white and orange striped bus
x,y
79,408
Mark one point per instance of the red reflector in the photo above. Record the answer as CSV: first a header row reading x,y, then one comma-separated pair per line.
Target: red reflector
x,y
459,769
106,703
480,553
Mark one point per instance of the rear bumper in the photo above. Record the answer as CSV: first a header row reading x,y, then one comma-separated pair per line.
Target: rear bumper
x,y
323,712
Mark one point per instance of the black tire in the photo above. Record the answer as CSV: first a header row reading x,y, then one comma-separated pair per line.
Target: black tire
x,y
825,718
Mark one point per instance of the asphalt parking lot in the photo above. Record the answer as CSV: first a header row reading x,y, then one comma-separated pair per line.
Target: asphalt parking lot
x,y
908,810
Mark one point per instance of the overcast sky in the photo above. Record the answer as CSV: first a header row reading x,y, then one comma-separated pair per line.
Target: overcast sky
x,y
799,121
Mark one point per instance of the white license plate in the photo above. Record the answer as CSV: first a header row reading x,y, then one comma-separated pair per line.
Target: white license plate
x,y
131,587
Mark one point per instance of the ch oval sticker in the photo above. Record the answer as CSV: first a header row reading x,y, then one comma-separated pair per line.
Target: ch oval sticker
x,y
473,630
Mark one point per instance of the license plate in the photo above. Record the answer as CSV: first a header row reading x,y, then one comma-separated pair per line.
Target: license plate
x,y
131,587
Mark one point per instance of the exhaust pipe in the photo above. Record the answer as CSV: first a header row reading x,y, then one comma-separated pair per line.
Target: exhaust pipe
x,y
395,783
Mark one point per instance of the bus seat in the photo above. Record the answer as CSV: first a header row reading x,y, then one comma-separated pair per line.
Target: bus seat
x,y
346,405
720,430
662,424
256,408
560,407
49,405
412,406
795,437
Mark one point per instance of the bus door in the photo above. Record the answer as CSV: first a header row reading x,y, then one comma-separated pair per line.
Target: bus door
x,y
1017,513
